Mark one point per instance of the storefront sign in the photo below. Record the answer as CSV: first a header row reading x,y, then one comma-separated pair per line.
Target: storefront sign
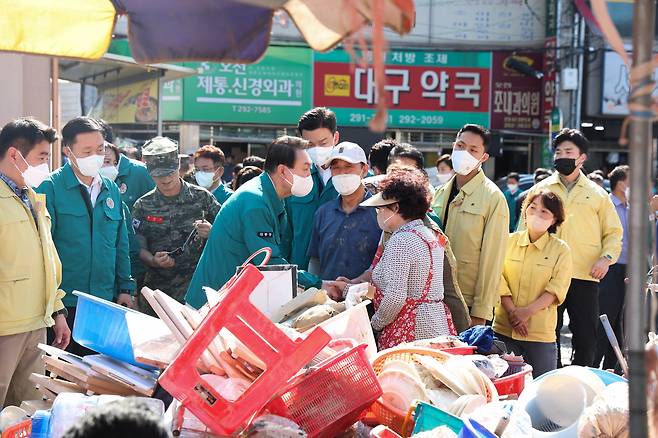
x,y
516,98
424,89
172,100
276,90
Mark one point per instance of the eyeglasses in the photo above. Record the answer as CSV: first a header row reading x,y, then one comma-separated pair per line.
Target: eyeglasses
x,y
181,249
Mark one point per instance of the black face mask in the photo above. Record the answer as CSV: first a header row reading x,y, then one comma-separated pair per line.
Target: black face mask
x,y
566,166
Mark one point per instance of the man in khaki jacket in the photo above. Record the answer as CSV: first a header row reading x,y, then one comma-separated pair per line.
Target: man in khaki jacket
x,y
476,219
30,270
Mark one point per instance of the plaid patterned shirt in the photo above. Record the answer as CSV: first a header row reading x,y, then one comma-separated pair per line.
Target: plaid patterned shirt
x,y
21,192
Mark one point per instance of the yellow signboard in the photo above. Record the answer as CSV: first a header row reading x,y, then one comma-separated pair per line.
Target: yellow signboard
x,y
337,85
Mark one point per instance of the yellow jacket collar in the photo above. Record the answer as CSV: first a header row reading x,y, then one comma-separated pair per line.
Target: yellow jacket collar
x,y
540,243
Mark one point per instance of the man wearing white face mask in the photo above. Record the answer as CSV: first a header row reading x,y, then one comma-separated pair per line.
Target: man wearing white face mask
x,y
255,218
476,218
88,221
208,170
318,127
333,249
30,270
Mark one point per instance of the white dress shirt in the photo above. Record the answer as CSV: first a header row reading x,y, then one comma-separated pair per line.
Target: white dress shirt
x,y
94,189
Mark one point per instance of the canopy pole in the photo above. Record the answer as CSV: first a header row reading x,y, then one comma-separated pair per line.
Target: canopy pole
x,y
160,84
640,161
56,155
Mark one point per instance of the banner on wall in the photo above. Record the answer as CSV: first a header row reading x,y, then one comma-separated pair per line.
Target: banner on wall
x,y
424,89
131,103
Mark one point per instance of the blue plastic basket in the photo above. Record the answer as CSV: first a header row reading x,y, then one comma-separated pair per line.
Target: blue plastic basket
x,y
428,417
100,325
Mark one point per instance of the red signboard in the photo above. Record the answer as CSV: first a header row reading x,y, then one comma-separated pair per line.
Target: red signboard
x,y
424,89
415,88
516,99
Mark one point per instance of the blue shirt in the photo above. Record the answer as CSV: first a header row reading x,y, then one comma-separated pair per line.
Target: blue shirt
x,y
622,212
344,243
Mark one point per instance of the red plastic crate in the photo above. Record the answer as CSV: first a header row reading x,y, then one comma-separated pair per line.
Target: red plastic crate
x,y
512,384
20,430
330,398
283,358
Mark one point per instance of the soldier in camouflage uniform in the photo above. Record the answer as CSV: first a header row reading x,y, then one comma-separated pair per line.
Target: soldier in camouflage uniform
x,y
172,222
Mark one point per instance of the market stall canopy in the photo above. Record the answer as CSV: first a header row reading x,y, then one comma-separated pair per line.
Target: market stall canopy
x,y
172,30
114,70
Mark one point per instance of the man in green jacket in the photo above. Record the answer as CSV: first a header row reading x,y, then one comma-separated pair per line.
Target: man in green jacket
x,y
318,127
254,218
87,222
133,181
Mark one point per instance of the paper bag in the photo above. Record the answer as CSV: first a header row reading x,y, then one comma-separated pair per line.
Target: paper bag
x,y
277,288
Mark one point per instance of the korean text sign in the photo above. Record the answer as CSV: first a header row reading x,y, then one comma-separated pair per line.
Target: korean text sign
x,y
424,89
516,102
276,90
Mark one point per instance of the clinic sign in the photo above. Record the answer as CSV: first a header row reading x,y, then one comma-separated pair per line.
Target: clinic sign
x,y
275,90
424,89
516,98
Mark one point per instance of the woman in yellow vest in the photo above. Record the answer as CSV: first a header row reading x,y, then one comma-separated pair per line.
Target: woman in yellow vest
x,y
535,282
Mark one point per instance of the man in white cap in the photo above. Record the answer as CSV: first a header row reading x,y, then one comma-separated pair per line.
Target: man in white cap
x,y
345,235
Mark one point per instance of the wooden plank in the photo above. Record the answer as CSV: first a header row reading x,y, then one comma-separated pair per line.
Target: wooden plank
x,y
153,342
168,310
56,386
78,369
31,406
47,394
59,368
97,385
158,352
139,380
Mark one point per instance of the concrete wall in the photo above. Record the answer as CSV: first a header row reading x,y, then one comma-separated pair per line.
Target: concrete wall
x,y
24,87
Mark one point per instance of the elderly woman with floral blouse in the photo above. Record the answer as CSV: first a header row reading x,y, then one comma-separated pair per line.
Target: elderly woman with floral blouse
x,y
409,276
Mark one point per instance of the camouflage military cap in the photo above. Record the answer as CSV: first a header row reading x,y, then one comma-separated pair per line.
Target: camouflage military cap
x,y
161,156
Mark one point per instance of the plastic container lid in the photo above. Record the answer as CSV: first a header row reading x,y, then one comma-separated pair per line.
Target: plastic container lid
x,y
101,325
473,429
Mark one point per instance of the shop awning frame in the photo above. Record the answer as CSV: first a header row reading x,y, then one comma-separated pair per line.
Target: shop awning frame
x,y
114,70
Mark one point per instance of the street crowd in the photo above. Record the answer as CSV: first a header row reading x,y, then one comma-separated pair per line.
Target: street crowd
x,y
442,259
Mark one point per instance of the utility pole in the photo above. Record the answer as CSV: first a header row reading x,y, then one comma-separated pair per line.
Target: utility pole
x,y
641,144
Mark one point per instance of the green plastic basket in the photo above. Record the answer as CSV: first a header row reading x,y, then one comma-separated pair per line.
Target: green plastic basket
x,y
428,417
